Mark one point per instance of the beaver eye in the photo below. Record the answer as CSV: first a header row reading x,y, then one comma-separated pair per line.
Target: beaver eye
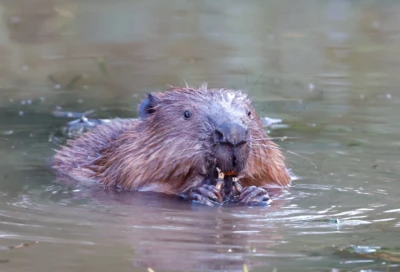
x,y
187,114
249,113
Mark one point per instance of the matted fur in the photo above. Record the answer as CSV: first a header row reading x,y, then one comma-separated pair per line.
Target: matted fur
x,y
162,152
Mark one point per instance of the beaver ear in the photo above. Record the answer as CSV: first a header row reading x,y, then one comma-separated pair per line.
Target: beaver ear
x,y
147,106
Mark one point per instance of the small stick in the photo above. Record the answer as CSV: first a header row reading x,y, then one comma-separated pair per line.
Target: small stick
x,y
220,179
237,184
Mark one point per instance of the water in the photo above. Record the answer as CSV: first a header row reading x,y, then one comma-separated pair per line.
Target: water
x,y
328,68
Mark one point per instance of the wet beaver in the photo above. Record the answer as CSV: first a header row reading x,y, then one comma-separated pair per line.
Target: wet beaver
x,y
188,142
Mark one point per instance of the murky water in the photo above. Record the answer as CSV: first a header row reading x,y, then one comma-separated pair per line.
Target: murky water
x,y
330,69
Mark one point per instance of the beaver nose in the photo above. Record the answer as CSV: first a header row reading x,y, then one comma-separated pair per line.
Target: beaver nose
x,y
231,134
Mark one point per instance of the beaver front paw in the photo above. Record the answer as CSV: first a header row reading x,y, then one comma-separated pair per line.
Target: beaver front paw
x,y
206,194
254,195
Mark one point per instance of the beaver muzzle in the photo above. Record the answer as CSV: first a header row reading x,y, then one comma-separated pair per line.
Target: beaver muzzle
x,y
232,149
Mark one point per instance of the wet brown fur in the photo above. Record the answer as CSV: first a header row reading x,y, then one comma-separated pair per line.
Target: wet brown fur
x,y
160,154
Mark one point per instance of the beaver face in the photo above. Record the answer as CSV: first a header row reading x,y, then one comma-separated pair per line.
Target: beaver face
x,y
210,125
230,135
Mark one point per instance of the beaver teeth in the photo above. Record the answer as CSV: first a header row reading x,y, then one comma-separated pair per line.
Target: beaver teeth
x,y
221,174
220,179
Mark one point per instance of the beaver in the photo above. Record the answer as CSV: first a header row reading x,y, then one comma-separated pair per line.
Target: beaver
x,y
183,141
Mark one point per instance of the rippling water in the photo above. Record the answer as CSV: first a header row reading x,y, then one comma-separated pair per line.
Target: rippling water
x,y
328,69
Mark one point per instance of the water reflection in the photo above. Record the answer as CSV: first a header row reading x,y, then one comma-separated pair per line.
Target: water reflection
x,y
167,233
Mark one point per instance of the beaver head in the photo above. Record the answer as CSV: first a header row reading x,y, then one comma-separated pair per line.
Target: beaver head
x,y
216,123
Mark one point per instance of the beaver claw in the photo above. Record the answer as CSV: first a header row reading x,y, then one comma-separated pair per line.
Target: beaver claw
x,y
206,194
254,196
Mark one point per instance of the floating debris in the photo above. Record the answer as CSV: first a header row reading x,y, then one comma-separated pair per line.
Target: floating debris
x,y
328,220
371,252
102,66
23,245
70,85
353,144
333,220
267,122
73,81
71,114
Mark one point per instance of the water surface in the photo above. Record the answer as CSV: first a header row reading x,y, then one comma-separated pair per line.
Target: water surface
x,y
329,69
